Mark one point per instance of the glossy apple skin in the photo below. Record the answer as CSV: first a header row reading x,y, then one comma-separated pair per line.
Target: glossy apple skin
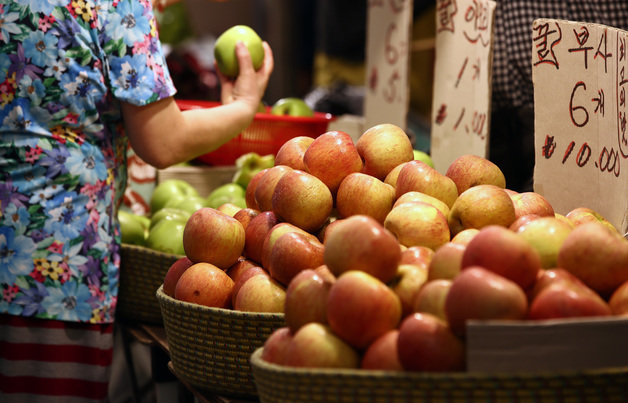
x,y
425,343
225,54
362,243
383,147
546,235
431,298
567,300
581,215
531,203
410,278
422,197
362,194
292,253
302,200
291,152
245,215
274,234
331,157
470,170
360,308
249,193
260,293
420,177
174,273
316,346
418,224
243,278
480,206
420,255
502,251
596,255
205,284
306,299
255,234
478,293
265,187
382,354
446,262
213,237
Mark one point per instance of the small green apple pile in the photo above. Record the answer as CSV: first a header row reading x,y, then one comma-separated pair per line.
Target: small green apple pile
x,y
378,260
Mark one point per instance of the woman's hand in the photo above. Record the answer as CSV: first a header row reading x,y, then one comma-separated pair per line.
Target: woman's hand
x,y
249,85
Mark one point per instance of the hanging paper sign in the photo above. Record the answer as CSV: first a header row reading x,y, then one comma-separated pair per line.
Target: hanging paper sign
x,y
389,24
580,75
462,77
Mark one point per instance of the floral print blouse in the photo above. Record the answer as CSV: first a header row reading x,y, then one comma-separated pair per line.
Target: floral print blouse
x,y
64,65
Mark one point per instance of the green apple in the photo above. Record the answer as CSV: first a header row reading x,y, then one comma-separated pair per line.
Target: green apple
x,y
423,156
291,106
168,213
167,236
249,164
189,204
133,227
227,193
169,189
224,49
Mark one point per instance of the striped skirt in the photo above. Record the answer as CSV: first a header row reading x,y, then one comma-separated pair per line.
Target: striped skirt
x,y
49,361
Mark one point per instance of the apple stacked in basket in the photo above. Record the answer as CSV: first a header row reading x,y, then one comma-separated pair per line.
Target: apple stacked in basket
x,y
378,260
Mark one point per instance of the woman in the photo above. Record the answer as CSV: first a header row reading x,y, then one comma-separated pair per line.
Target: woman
x,y
78,79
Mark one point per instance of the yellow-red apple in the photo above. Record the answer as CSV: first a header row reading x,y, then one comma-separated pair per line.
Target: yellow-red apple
x,y
265,186
431,298
260,293
364,194
546,235
446,262
316,346
205,284
382,354
173,274
470,170
418,224
292,253
479,206
418,176
383,147
291,152
306,299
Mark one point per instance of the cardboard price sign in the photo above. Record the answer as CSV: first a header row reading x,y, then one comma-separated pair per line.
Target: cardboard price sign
x,y
580,75
387,62
462,77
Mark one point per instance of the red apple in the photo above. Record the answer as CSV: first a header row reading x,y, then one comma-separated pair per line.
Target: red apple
x,y
521,221
567,299
478,293
273,234
360,308
422,197
213,237
383,147
418,255
392,176
316,346
292,253
255,234
361,243
531,203
406,285
240,266
581,215
249,194
501,251
266,186
418,224
291,152
229,209
596,255
303,200
479,206
306,299
465,236
331,157
364,194
469,170
418,176
276,346
446,262
425,343
245,216
548,277
431,298
618,301
173,274
382,354
260,293
243,277
325,273
205,284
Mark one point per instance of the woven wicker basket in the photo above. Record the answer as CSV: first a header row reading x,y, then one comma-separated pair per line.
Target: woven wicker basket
x,y
142,271
276,383
210,347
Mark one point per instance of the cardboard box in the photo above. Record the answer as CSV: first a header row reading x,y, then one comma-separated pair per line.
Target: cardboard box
x,y
549,345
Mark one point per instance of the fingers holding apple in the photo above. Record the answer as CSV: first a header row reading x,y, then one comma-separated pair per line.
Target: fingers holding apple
x,y
225,49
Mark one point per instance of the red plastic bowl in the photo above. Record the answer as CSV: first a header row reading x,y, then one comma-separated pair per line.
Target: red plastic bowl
x,y
265,135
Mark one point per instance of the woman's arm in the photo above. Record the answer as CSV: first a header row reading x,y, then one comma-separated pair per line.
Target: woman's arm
x,y
163,135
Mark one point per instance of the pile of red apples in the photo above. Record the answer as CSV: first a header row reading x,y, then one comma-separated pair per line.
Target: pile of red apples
x,y
378,260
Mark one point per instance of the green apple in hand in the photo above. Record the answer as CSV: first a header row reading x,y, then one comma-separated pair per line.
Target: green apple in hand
x,y
423,156
169,189
291,106
249,164
227,193
224,49
133,227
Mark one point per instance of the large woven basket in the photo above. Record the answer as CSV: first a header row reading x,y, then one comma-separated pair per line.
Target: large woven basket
x,y
276,383
210,348
142,271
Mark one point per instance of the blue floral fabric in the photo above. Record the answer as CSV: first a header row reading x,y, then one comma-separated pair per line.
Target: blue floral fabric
x,y
64,65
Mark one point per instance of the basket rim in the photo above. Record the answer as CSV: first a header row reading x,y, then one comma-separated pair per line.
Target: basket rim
x,y
229,312
144,249
319,117
257,362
